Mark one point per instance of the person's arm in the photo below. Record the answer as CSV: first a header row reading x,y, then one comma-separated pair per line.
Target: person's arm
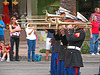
x,y
57,35
99,31
14,30
9,49
2,24
46,31
91,36
18,29
30,32
91,17
76,36
3,48
11,30
35,32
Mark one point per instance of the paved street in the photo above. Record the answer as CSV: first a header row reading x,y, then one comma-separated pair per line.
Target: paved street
x,y
41,68
91,63
24,68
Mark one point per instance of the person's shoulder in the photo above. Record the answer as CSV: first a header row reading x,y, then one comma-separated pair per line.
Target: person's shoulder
x,y
93,22
93,14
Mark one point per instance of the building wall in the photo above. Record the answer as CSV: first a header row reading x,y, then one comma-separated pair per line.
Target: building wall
x,y
22,7
70,5
34,7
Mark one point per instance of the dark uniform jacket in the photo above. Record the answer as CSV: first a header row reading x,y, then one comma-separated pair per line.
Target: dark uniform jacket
x,y
56,42
63,47
73,56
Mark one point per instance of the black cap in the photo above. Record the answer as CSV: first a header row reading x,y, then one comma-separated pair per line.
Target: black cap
x,y
62,13
67,18
77,19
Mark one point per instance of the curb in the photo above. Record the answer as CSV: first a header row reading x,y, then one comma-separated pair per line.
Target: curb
x,y
86,58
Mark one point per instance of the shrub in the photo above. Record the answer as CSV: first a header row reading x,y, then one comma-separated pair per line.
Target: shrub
x,y
44,50
85,49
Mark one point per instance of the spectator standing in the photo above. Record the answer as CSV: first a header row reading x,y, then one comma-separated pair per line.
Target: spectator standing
x,y
31,42
97,13
48,43
2,25
14,37
94,35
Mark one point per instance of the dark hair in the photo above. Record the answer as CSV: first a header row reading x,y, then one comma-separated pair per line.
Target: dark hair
x,y
76,18
62,13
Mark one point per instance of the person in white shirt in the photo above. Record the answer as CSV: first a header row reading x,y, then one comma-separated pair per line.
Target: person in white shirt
x,y
31,41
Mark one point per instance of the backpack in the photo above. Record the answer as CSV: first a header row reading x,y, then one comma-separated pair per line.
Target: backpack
x,y
38,57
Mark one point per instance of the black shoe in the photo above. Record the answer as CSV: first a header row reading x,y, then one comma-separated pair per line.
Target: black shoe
x,y
11,59
17,60
29,60
33,60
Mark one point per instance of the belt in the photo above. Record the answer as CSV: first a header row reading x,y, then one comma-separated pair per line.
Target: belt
x,y
61,43
73,47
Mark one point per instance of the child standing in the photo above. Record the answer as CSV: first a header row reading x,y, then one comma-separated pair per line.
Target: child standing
x,y
6,52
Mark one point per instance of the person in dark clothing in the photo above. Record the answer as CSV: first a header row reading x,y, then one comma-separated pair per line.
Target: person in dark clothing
x,y
14,37
62,51
56,47
73,59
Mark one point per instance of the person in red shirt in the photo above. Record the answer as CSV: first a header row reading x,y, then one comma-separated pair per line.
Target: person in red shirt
x,y
94,35
97,14
1,48
6,52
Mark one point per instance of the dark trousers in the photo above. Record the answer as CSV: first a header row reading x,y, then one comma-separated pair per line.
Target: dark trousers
x,y
16,40
2,38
